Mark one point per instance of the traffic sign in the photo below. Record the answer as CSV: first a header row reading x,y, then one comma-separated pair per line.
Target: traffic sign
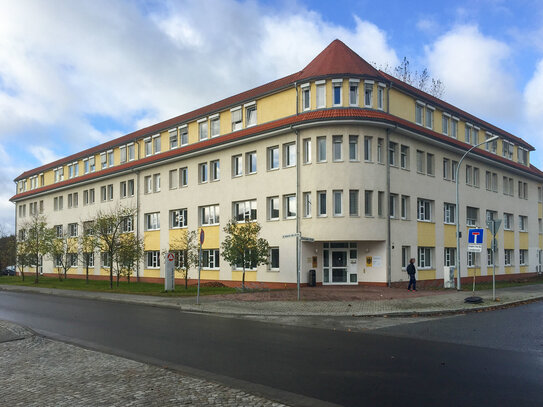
x,y
494,225
475,248
171,257
202,236
475,236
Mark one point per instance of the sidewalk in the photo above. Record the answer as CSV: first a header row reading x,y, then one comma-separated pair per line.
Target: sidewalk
x,y
348,301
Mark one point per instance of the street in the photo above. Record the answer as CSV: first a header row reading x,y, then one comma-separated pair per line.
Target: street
x,y
476,359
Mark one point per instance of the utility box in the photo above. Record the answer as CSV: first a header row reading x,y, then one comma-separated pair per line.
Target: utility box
x,y
312,281
448,277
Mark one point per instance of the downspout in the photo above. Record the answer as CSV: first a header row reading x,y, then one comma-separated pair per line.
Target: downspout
x,y
387,197
298,205
297,102
137,192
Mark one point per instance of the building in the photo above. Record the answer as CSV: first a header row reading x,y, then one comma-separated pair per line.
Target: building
x,y
357,162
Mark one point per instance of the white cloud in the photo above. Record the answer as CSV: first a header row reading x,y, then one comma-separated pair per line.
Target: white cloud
x,y
43,154
533,94
473,68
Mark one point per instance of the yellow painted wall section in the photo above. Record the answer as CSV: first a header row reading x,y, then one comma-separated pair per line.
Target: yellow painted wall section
x,y
104,272
151,240
278,105
209,275
426,234
139,149
523,240
449,235
238,275
499,150
225,122
345,95
472,270
402,105
541,241
508,239
192,128
151,273
539,210
211,240
176,235
523,269
49,177
509,270
426,274
329,93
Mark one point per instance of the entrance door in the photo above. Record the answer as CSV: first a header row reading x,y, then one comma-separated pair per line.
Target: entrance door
x,y
339,266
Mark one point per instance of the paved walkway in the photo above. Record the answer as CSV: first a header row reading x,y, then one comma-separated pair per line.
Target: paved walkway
x,y
355,301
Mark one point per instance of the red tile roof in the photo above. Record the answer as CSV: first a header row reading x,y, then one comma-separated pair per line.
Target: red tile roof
x,y
303,118
336,59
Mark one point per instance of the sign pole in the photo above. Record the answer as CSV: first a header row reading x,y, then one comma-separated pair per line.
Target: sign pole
x,y
202,236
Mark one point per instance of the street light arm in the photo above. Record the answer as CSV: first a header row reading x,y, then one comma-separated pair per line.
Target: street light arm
x,y
458,284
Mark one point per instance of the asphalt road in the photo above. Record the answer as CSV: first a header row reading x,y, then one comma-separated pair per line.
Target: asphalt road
x,y
470,360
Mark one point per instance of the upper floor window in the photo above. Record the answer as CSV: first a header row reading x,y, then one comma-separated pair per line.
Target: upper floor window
x,y
337,85
430,117
152,221
468,137
445,123
353,92
273,208
245,210
250,114
522,155
251,162
174,139
419,112
273,158
202,129
321,149
404,157
178,218
337,148
449,210
183,177
148,146
59,175
523,223
215,170
307,150
472,216
306,96
508,149
215,125
424,210
131,151
203,172
353,148
491,146
454,127
290,206
237,118
321,94
237,164
289,154
368,93
209,215
367,148
381,96
183,135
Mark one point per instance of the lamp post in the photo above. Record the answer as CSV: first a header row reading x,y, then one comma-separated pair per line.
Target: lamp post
x,y
458,284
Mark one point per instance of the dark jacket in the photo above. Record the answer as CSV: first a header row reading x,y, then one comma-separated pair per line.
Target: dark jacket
x,y
411,269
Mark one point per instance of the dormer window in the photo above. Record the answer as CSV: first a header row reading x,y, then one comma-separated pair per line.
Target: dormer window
x,y
430,117
419,112
353,92
306,96
321,94
250,114
337,84
368,93
237,118
174,142
215,125
202,129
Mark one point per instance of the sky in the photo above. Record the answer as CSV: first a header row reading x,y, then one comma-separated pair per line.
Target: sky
x,y
77,73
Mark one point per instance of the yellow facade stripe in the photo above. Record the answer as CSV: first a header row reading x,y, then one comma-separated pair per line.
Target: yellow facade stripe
x,y
426,234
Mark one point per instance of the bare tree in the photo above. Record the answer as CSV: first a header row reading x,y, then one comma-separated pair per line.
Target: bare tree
x,y
64,251
128,255
38,239
185,248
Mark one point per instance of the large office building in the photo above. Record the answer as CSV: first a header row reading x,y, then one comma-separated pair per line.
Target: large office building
x,y
350,172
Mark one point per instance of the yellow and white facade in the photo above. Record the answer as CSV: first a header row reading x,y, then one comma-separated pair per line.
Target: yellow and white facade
x,y
356,162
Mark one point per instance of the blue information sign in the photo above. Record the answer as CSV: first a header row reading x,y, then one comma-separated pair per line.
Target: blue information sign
x,y
475,236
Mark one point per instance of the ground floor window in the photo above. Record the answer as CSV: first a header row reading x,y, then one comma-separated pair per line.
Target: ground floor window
x,y
449,256
425,257
274,258
152,259
508,257
210,259
523,257
472,259
406,255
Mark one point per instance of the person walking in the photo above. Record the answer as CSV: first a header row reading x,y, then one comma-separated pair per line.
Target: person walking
x,y
411,270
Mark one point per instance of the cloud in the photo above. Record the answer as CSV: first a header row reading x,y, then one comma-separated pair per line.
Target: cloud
x,y
474,70
533,94
43,154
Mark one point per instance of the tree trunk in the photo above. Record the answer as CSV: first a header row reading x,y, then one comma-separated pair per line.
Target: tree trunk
x,y
128,276
243,279
23,274
110,270
65,273
186,279
87,268
118,275
36,281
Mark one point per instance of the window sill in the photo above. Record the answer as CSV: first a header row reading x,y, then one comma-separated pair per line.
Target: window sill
x,y
273,220
274,270
273,169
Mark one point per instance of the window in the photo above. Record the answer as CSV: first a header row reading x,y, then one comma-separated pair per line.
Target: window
x,y
250,158
59,175
183,135
237,119
491,146
424,212
419,112
321,94
404,207
353,202
522,155
127,224
425,257
58,230
445,124
523,257
215,125
290,206
289,155
203,172
449,256
522,190
454,127
183,177
508,257
148,181
468,138
380,150
148,146
215,170
152,221
353,92
307,204
209,215
404,157
337,147
406,256
131,151
380,199
237,165
368,93
103,193
446,168
476,177
210,259
420,162
321,203
321,149
508,149
202,129
336,88
475,135
367,148
449,213
523,223
245,211
508,221
338,203
274,258
472,259
491,215
250,115
88,259
489,257
273,208
152,259
430,164
381,96
392,153
306,96
469,174
454,167
105,260
58,203
429,117
353,148
122,151
156,182
173,179
273,158
178,218
307,150
368,197
392,205
472,216
174,140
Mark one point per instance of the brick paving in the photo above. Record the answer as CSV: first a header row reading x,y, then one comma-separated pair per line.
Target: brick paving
x,y
36,371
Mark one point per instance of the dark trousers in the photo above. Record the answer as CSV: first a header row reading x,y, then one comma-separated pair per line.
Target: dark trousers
x,y
412,282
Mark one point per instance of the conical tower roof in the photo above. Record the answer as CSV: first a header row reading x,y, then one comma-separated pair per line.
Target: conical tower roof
x,y
337,58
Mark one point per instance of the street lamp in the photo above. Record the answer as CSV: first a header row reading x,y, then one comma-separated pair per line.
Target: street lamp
x,y
458,285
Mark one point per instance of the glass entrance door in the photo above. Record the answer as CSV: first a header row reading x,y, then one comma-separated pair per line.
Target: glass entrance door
x,y
339,266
